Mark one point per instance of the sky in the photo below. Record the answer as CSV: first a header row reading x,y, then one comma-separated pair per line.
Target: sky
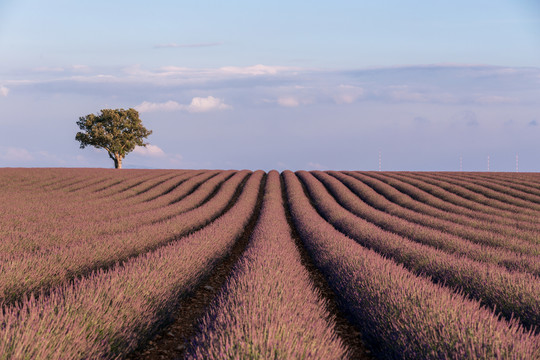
x,y
421,85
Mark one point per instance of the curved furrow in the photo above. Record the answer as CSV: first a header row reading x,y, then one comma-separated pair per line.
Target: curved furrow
x,y
435,201
155,177
530,179
428,236
107,188
497,194
509,182
25,178
177,188
134,181
165,187
168,177
113,189
190,194
478,194
401,314
87,224
521,198
525,177
92,186
43,270
127,196
449,201
50,218
385,197
57,176
142,192
268,308
511,294
79,183
110,313
113,179
58,219
109,191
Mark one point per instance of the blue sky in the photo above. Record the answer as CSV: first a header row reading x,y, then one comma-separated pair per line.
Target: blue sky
x,y
282,84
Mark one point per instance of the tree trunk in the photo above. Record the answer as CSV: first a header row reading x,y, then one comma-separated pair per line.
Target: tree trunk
x,y
117,161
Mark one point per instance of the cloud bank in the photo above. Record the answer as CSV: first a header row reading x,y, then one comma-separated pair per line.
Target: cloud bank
x,y
419,116
197,105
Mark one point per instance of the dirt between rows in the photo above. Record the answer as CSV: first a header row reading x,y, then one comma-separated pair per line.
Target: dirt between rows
x,y
173,340
346,331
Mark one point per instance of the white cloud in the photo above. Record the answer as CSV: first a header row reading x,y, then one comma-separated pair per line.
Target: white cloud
x,y
209,103
288,101
149,150
197,105
4,91
255,70
147,106
197,45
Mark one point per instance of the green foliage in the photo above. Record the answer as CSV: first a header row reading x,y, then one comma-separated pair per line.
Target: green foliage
x,y
117,131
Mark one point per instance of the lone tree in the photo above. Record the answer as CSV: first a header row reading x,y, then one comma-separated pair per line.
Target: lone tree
x,y
117,131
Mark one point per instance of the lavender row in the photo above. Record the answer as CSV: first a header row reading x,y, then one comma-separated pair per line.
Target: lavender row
x,y
120,192
512,294
503,193
514,183
64,225
37,271
453,204
36,219
478,195
40,208
451,235
421,201
428,236
110,313
527,179
117,190
186,196
268,308
34,199
403,316
26,177
98,181
502,197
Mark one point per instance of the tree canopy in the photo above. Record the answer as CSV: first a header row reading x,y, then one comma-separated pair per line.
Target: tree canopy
x,y
118,131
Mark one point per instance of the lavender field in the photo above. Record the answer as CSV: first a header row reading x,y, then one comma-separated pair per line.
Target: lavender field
x,y
215,264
